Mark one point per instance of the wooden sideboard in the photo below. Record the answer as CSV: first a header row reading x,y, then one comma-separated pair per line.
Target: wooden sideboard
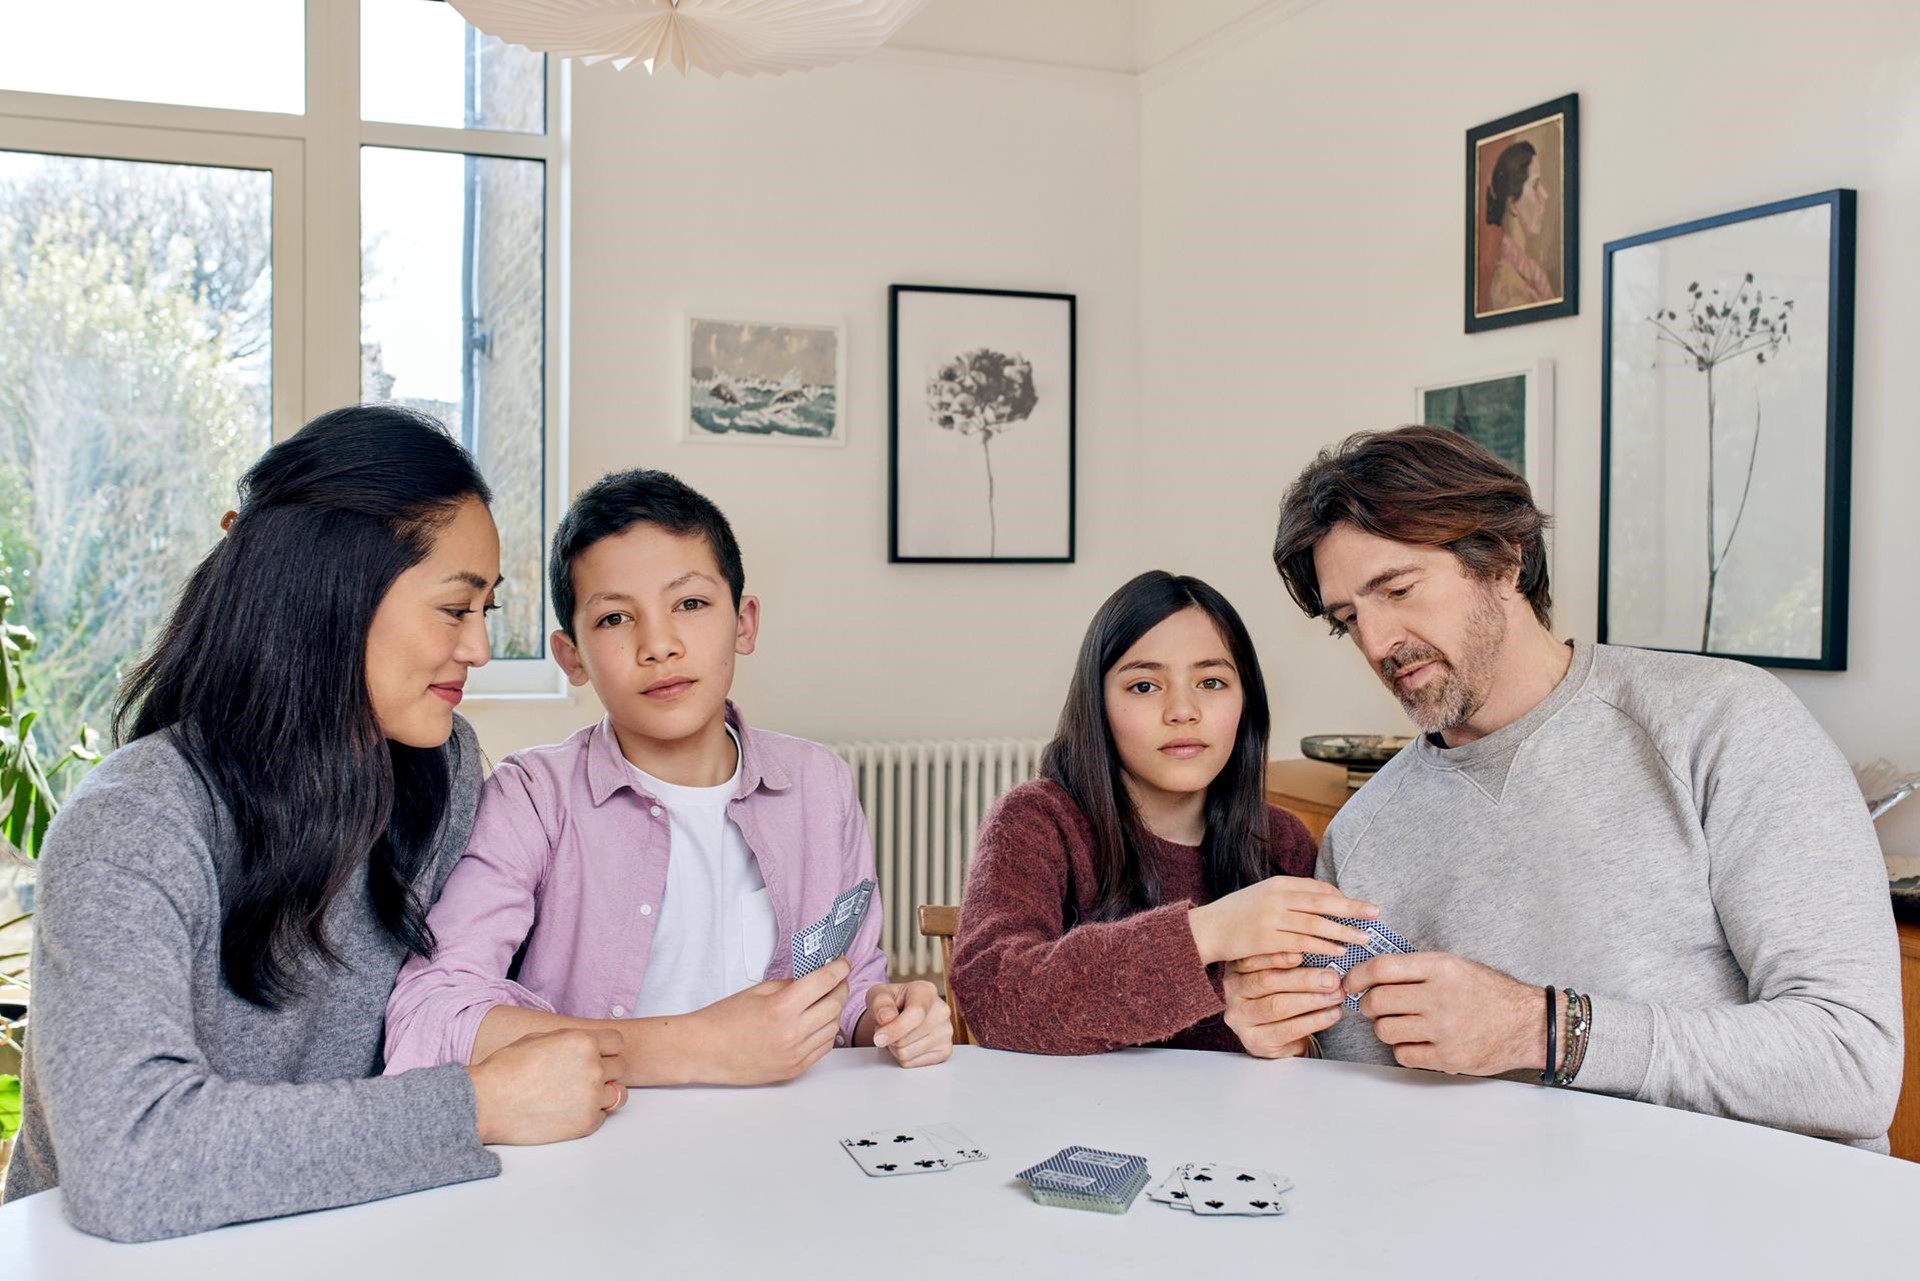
x,y
1315,791
1906,1118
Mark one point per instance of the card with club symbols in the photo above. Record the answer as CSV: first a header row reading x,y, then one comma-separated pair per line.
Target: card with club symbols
x,y
926,1149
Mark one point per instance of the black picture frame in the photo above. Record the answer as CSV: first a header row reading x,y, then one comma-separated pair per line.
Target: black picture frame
x,y
899,550
1481,241
1835,484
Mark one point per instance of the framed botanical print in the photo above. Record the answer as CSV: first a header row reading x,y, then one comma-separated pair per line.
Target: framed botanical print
x,y
1726,435
981,451
1523,216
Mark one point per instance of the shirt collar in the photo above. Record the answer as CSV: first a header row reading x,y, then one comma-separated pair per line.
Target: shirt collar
x,y
607,770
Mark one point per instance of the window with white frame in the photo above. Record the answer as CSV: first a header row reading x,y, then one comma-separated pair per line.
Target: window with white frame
x,y
221,217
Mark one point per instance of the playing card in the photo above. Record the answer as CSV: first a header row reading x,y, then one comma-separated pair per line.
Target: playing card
x,y
955,1146
1226,1189
810,946
848,911
1172,1190
886,1153
1381,941
829,937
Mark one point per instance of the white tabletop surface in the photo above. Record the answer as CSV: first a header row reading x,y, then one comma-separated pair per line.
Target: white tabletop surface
x,y
1397,1174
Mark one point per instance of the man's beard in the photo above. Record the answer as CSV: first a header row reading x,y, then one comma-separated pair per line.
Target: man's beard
x,y
1454,691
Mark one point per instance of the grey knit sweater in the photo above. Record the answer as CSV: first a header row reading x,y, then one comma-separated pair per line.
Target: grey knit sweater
x,y
1677,836
159,1101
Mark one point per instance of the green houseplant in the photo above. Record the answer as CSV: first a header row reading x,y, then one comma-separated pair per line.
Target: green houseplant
x,y
27,804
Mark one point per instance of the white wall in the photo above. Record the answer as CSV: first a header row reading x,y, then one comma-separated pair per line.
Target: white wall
x,y
808,195
1301,273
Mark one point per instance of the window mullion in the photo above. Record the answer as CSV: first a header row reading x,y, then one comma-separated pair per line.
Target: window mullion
x,y
332,303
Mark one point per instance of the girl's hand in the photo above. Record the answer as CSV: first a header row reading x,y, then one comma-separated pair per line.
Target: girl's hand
x,y
908,1021
1279,914
1274,1005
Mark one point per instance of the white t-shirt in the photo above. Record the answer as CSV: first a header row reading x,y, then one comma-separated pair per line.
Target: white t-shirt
x,y
715,932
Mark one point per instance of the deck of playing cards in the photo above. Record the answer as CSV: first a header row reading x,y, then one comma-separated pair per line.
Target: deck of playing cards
x,y
1082,1178
925,1149
1381,941
828,938
1208,1188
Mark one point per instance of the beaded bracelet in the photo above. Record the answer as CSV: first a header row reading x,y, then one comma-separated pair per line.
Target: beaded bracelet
x,y
1579,1024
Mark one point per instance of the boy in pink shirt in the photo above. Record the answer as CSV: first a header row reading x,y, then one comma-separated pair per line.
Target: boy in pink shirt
x,y
645,874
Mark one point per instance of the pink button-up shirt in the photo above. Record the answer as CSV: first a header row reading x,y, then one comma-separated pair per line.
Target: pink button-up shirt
x,y
567,864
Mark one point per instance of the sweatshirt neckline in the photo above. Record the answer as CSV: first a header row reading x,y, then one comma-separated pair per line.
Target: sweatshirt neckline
x,y
1505,741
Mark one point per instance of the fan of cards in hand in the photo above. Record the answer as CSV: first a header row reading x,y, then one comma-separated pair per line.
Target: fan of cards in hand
x,y
1381,941
828,938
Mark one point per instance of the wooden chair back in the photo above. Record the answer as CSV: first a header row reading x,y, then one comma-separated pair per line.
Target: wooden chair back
x,y
940,921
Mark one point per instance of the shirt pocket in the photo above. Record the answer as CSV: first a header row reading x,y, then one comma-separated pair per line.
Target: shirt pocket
x,y
756,933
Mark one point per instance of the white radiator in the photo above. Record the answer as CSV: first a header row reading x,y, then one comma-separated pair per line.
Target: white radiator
x,y
924,802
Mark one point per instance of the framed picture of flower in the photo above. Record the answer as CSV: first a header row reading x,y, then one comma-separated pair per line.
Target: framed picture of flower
x,y
1726,418
1523,216
981,445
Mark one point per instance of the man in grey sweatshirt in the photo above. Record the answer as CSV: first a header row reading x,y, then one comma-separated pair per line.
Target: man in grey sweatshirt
x,y
1665,847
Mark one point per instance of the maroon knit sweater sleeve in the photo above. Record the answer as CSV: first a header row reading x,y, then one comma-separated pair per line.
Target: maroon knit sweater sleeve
x,y
1027,982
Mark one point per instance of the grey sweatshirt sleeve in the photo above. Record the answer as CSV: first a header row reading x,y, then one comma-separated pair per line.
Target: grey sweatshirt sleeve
x,y
150,1142
1800,889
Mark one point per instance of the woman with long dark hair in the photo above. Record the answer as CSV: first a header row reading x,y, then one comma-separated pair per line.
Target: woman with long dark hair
x,y
1103,894
226,899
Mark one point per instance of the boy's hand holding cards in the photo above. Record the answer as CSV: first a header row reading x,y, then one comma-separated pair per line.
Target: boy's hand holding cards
x,y
828,938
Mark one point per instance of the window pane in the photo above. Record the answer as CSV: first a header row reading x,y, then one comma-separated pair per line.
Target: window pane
x,y
135,352
421,64
245,54
453,322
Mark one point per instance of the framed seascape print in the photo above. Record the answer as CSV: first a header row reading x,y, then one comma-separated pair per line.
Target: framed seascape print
x,y
1523,216
1509,411
1726,435
981,454
765,381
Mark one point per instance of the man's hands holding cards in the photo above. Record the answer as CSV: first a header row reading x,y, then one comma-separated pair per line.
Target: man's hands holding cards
x,y
1448,1014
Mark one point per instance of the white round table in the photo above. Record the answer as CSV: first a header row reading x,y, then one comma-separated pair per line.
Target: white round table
x,y
1397,1174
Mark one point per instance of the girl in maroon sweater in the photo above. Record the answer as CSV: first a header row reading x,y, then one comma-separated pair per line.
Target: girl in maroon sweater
x,y
1104,895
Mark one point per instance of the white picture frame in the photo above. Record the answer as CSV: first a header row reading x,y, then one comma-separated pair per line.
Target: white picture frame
x,y
1490,397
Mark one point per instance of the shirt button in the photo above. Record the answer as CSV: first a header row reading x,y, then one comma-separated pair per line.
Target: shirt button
x,y
840,1040
655,811
646,909
619,1011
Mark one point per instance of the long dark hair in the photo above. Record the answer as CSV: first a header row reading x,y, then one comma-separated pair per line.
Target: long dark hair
x,y
1508,181
1083,759
260,675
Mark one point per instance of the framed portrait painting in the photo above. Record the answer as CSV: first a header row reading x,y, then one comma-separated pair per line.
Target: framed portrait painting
x,y
981,449
1726,435
1509,411
764,381
1523,217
